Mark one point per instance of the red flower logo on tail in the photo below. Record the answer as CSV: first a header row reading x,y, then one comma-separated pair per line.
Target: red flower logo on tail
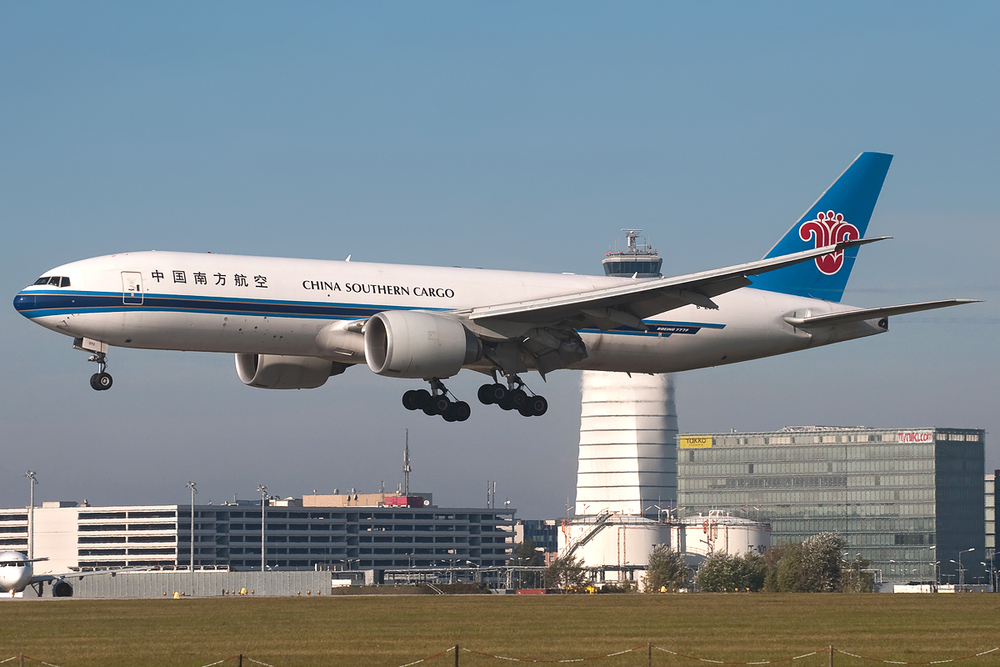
x,y
829,228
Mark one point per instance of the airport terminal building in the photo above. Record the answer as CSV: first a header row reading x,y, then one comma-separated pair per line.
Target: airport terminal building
x,y
346,531
908,500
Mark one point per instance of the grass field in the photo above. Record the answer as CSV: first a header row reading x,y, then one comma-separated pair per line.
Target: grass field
x,y
393,631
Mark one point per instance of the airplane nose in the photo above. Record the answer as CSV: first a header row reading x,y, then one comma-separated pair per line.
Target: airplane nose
x,y
24,302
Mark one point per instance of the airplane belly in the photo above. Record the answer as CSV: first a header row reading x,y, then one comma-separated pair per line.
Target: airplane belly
x,y
226,333
671,353
199,332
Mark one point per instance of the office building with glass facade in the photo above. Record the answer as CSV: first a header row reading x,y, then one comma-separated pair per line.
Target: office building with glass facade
x,y
911,501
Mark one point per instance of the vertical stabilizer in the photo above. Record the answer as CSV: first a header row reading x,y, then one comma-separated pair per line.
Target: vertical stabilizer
x,y
841,213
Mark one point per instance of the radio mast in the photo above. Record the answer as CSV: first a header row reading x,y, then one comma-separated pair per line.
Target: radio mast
x,y
406,465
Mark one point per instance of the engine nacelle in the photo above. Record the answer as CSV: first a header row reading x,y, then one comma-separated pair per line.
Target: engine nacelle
x,y
277,371
62,589
413,344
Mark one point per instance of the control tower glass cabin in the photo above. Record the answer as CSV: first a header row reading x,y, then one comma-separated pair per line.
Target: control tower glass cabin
x,y
638,259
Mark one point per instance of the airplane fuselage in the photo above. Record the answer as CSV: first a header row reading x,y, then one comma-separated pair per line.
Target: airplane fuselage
x,y
264,305
15,572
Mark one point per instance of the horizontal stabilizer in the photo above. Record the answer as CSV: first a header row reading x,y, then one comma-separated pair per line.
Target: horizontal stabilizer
x,y
871,313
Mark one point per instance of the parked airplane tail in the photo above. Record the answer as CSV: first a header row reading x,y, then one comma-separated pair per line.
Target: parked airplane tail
x,y
841,213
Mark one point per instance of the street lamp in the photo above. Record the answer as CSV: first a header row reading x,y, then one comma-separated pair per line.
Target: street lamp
x,y
961,570
477,577
263,509
192,485
31,512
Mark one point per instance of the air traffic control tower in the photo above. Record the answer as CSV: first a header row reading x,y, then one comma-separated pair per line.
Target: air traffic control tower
x,y
627,468
628,427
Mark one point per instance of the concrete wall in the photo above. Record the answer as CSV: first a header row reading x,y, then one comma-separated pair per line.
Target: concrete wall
x,y
199,584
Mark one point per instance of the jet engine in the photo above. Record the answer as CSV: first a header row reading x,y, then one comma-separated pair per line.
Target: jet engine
x,y
62,589
413,344
276,371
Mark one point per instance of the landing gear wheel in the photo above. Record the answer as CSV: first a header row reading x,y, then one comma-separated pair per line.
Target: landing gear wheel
x,y
441,404
462,411
487,394
421,397
408,400
101,381
437,405
538,405
534,407
416,399
518,398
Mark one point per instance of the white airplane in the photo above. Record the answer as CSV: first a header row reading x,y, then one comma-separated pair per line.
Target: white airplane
x,y
293,323
17,573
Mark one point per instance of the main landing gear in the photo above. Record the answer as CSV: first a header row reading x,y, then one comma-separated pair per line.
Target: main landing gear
x,y
513,397
436,402
101,380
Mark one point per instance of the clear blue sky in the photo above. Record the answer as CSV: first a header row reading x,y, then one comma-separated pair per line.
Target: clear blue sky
x,y
505,135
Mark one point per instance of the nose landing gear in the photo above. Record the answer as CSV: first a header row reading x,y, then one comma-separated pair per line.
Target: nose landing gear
x,y
102,380
513,397
436,402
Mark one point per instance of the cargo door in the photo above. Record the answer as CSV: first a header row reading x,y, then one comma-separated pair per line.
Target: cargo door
x,y
132,288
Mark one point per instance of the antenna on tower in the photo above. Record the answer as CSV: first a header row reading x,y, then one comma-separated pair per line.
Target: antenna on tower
x,y
406,465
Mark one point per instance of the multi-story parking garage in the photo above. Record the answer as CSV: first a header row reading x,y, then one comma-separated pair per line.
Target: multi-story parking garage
x,y
353,532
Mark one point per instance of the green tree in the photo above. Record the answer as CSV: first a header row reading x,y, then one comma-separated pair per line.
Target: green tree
x,y
525,554
565,572
814,566
822,562
666,569
722,572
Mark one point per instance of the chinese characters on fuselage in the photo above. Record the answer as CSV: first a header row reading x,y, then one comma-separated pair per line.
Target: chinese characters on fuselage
x,y
201,278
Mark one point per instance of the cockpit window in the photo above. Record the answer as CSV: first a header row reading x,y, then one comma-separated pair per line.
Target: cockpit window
x,y
55,281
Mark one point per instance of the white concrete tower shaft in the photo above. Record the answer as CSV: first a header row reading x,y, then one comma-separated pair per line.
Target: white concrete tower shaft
x,y
628,451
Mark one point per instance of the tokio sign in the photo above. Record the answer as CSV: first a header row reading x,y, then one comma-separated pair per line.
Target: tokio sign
x,y
695,442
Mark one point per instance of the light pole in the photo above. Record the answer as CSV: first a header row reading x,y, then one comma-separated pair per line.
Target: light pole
x,y
961,570
476,576
31,512
263,509
192,485
933,551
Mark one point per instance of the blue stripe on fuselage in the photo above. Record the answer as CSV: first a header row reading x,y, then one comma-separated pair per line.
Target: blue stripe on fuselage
x,y
37,303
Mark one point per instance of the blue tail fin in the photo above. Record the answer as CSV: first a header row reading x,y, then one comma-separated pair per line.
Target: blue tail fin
x,y
841,213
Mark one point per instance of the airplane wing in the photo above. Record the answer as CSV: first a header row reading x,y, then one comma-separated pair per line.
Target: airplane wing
x,y
627,305
55,576
4,563
871,313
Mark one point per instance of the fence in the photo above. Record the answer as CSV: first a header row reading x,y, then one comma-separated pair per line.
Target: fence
x,y
647,649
